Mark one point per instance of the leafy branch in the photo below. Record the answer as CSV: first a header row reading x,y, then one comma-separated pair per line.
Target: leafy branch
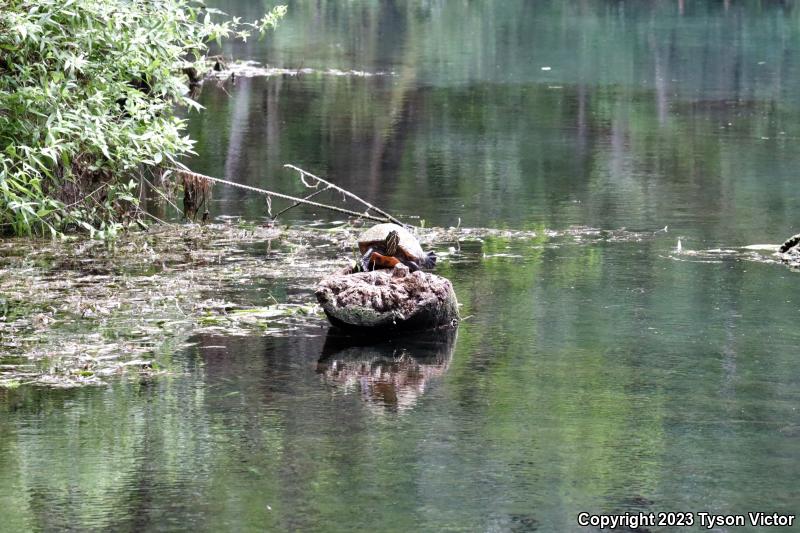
x,y
88,92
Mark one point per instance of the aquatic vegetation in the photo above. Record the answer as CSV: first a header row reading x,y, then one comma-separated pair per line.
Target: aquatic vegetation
x,y
253,69
75,312
78,311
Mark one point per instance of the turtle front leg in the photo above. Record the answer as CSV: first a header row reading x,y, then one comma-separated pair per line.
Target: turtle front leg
x,y
412,266
365,260
383,261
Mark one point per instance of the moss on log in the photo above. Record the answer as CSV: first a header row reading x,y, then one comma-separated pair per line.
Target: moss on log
x,y
382,300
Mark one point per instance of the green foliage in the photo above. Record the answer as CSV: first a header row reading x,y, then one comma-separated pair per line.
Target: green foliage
x,y
88,91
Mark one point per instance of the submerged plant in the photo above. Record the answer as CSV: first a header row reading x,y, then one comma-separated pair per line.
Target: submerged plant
x,y
88,92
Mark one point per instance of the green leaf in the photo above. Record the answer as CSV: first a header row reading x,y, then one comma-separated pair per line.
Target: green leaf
x,y
66,65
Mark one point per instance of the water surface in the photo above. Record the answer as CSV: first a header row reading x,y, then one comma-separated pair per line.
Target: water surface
x,y
604,374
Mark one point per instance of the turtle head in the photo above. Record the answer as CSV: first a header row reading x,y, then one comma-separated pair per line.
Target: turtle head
x,y
429,260
392,241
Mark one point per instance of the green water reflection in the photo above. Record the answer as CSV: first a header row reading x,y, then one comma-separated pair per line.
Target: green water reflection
x,y
590,376
584,380
646,117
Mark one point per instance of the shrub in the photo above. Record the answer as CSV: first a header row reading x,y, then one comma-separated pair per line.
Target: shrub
x,y
88,92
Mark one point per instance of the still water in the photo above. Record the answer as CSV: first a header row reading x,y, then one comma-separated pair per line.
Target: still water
x,y
593,374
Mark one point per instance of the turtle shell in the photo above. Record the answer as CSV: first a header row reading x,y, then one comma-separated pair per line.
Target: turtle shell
x,y
408,246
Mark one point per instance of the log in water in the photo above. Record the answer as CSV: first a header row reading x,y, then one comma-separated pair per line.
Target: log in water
x,y
394,299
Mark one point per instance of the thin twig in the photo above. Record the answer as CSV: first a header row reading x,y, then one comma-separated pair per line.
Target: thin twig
x,y
151,215
76,202
312,195
345,192
164,196
279,195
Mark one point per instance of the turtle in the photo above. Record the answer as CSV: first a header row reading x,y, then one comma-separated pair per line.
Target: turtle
x,y
386,245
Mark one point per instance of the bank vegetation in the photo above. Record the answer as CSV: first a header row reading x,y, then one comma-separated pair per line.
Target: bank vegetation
x,y
89,91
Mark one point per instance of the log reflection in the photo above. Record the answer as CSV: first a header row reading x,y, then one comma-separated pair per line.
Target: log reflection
x,y
389,373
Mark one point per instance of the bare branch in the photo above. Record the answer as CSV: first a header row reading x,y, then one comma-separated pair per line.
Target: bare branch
x,y
303,173
284,196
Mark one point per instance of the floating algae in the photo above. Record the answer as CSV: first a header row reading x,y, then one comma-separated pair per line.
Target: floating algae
x,y
78,312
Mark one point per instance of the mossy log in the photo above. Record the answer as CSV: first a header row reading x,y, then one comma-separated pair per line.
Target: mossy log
x,y
388,299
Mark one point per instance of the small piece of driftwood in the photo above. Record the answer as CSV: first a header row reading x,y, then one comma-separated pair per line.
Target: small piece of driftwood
x,y
388,300
789,251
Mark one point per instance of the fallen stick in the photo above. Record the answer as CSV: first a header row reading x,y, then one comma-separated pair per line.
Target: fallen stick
x,y
313,194
345,192
283,196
